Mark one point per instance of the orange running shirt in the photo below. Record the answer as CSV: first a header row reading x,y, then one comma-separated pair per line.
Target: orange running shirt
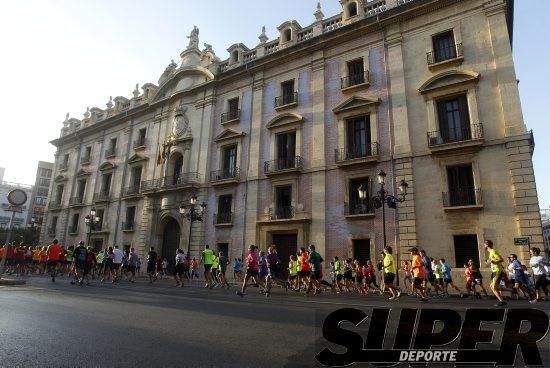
x,y
416,262
54,252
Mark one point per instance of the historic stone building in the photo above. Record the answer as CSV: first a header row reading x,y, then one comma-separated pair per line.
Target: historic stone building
x,y
277,139
39,197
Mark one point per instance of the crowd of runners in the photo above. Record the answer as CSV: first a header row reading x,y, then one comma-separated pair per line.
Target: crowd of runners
x,y
422,276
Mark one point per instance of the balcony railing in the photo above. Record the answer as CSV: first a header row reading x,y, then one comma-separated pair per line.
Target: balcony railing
x,y
223,218
286,99
282,164
76,200
73,229
352,209
85,160
170,182
102,196
128,226
231,115
281,213
225,174
355,79
132,190
51,231
351,153
140,142
462,196
445,53
55,205
110,152
473,132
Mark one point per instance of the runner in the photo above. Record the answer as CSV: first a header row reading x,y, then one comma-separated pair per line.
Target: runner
x,y
54,255
80,254
520,278
495,260
151,265
92,262
315,260
538,263
118,255
407,279
178,273
194,269
418,274
371,278
448,278
252,270
223,262
390,270
305,268
429,276
339,272
478,277
132,265
207,258
36,259
293,272
214,270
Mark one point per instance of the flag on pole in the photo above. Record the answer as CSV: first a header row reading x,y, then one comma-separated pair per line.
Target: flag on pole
x,y
159,158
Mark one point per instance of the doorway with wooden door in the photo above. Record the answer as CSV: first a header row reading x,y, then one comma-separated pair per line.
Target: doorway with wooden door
x,y
286,245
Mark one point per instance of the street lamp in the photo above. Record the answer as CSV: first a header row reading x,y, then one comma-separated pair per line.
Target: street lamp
x,y
192,214
382,197
91,220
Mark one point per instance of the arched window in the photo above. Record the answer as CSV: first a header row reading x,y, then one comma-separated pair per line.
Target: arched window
x,y
288,35
235,56
352,9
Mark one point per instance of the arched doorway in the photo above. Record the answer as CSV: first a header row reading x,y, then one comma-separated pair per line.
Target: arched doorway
x,y
170,241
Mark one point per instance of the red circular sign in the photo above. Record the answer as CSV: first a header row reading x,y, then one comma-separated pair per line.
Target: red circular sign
x,y
17,197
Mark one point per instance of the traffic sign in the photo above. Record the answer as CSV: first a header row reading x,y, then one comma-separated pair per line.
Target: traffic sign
x,y
17,197
521,241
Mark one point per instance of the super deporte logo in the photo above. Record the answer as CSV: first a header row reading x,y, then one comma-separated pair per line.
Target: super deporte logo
x,y
417,339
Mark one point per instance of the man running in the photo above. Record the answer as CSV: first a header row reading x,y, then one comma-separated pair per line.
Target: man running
x,y
223,262
152,258
418,274
252,270
207,259
497,269
118,255
178,273
315,260
80,259
132,264
448,278
390,270
54,256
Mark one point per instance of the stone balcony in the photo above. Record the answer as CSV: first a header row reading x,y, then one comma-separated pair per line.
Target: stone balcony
x,y
470,137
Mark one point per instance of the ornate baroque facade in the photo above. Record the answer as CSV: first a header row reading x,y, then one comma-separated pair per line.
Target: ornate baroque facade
x,y
277,139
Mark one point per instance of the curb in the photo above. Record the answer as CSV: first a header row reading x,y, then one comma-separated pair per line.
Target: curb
x,y
4,282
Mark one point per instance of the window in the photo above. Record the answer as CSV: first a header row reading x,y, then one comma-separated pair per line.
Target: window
x,y
99,224
230,160
283,202
235,56
112,147
288,92
74,224
136,177
130,215
356,73
233,105
454,120
81,190
361,250
466,248
141,137
358,137
223,248
461,186
54,223
42,192
356,206
287,35
444,46
178,168
352,9
106,183
88,153
44,182
59,193
47,173
286,150
224,209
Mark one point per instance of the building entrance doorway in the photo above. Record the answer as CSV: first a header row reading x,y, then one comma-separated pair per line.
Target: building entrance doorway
x,y
170,242
361,250
286,245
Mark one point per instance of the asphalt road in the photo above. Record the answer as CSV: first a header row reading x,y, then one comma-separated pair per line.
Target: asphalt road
x,y
141,325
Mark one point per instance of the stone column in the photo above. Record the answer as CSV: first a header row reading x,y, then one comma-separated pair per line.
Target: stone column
x,y
254,164
318,164
406,211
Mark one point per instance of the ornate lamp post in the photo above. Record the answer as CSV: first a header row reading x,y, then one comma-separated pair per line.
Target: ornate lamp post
x,y
192,214
91,220
382,197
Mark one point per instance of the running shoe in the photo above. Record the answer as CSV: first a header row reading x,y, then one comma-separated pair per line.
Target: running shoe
x,y
391,298
398,294
534,301
239,293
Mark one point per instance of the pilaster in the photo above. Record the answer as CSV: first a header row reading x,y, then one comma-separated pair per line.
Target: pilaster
x,y
406,211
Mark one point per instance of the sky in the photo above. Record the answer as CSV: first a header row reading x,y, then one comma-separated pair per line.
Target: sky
x,y
64,55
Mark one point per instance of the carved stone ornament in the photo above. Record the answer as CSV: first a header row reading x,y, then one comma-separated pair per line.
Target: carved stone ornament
x,y
193,39
181,122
